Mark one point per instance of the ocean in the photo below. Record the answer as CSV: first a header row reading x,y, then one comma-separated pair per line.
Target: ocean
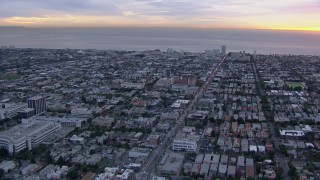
x,y
186,39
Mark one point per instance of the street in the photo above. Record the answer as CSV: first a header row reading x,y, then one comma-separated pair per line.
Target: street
x,y
278,156
154,158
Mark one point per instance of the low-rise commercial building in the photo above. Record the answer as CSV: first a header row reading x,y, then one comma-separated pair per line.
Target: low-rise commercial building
x,y
197,119
7,165
185,142
116,174
139,152
8,111
171,164
291,133
211,158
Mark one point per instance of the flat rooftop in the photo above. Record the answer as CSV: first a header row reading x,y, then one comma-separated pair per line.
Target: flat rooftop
x,y
171,162
11,106
141,150
24,130
56,119
35,97
291,133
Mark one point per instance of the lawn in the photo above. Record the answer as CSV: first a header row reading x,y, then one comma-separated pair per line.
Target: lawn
x,y
10,77
294,84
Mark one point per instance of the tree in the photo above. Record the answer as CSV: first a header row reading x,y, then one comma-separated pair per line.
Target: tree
x,y
92,151
95,114
283,149
3,153
109,96
293,123
292,171
259,158
270,155
84,168
279,173
101,103
298,88
211,119
32,160
1,173
264,99
310,167
72,174
267,87
258,168
240,120
49,158
83,99
61,161
224,108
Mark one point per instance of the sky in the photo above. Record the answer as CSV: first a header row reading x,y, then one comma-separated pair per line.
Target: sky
x,y
242,14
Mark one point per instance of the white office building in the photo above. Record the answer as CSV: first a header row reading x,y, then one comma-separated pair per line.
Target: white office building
x,y
291,133
64,121
185,141
27,135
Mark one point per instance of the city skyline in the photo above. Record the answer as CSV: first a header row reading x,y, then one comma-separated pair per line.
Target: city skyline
x,y
239,14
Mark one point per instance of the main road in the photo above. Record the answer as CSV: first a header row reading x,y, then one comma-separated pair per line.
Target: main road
x,y
155,156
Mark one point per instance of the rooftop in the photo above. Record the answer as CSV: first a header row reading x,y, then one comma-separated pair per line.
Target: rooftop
x,y
171,162
291,133
35,98
24,130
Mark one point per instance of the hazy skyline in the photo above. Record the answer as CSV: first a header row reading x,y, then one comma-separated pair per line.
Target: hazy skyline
x,y
245,14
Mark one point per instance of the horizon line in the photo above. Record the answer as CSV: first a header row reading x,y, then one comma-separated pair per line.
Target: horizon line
x,y
173,27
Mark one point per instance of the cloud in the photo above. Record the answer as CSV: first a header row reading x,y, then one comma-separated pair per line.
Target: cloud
x,y
194,13
178,9
14,8
170,8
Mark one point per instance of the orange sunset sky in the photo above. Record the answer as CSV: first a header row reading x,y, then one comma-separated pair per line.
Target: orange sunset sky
x,y
244,14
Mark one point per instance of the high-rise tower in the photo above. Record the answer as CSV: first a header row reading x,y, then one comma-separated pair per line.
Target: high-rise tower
x,y
223,50
38,103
